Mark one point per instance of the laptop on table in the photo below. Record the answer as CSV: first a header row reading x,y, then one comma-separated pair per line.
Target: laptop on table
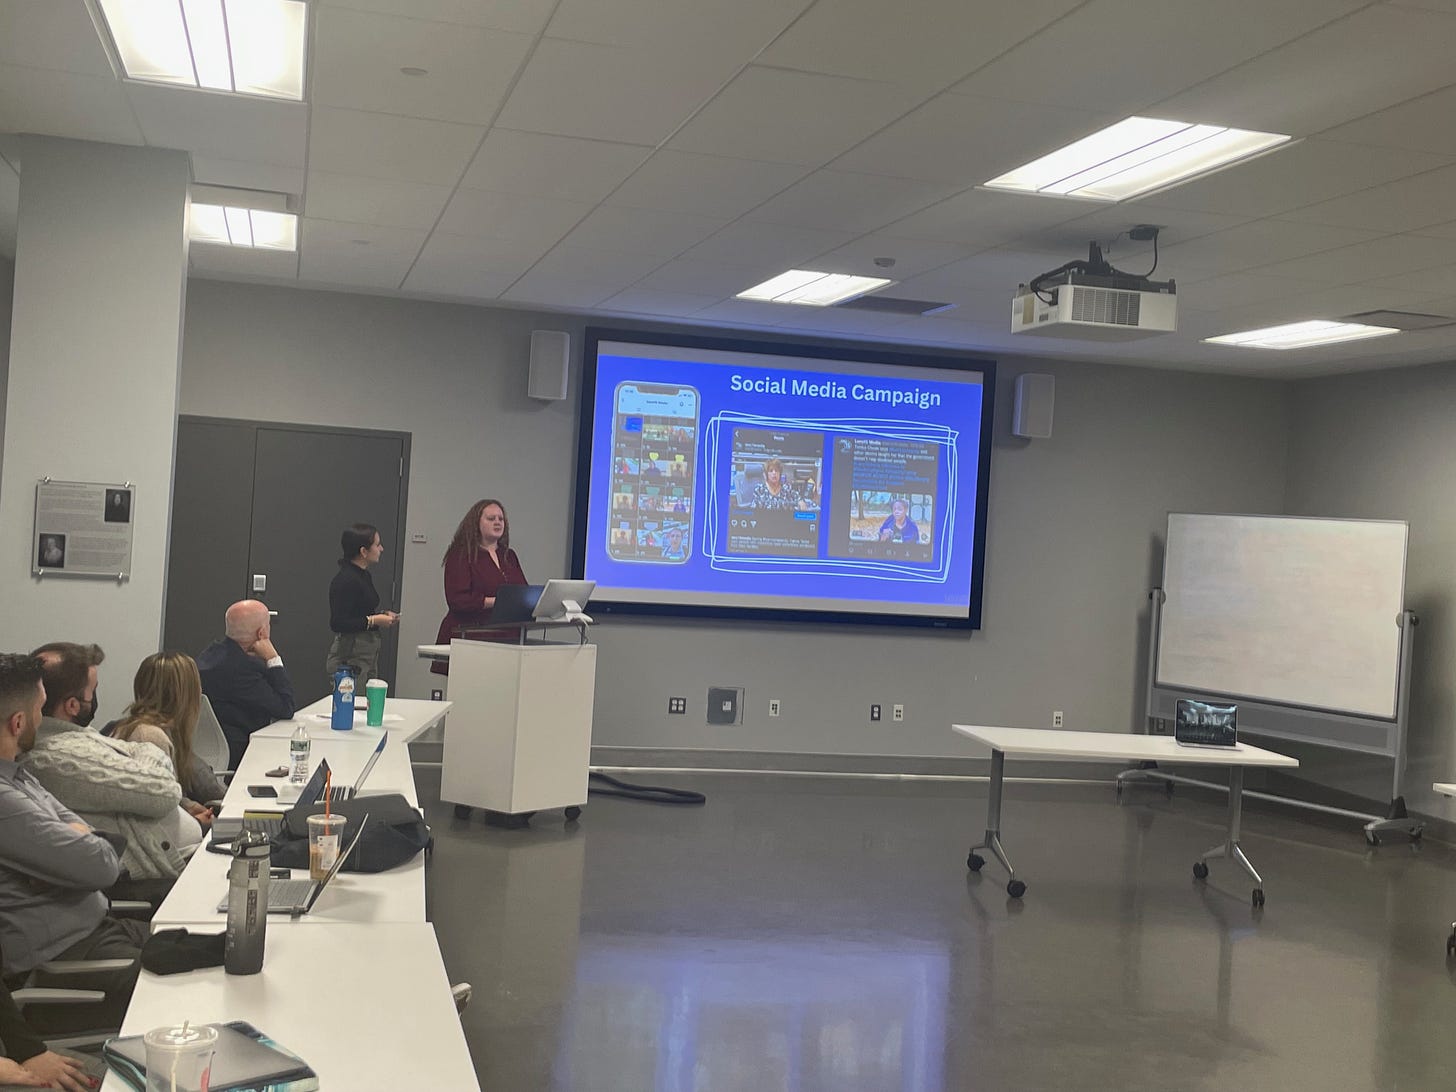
x,y
270,824
1205,724
297,897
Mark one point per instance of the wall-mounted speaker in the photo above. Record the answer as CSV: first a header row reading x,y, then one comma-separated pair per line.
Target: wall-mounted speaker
x,y
550,362
1035,395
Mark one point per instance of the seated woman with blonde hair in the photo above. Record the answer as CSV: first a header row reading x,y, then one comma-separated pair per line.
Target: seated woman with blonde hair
x,y
168,693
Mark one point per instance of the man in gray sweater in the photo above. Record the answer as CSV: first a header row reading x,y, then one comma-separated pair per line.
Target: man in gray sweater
x,y
124,787
53,868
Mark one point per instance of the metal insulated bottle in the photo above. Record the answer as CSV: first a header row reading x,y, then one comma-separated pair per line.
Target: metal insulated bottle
x,y
247,908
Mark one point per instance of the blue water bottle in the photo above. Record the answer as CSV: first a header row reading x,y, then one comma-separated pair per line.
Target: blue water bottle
x,y
343,718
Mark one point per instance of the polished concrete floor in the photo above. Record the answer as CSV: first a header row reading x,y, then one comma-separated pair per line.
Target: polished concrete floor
x,y
817,934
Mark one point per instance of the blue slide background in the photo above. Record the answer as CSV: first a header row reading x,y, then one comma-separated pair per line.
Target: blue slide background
x,y
954,425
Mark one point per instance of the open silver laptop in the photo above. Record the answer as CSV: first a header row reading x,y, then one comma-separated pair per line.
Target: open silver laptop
x,y
297,897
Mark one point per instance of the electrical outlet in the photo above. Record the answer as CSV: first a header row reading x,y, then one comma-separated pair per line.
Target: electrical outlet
x,y
437,695
773,707
897,712
677,706
1057,719
874,712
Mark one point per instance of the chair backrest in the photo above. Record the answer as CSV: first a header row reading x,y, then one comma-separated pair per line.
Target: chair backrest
x,y
208,742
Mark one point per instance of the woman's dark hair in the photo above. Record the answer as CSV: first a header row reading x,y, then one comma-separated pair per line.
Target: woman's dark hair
x,y
467,535
358,537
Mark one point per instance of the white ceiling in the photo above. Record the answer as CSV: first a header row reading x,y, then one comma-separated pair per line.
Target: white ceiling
x,y
650,158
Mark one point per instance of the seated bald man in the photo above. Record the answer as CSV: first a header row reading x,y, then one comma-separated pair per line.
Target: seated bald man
x,y
244,678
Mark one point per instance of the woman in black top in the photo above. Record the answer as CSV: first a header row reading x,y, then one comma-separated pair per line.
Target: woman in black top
x,y
354,613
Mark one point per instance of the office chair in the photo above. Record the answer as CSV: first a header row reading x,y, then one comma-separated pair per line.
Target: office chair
x,y
208,741
29,996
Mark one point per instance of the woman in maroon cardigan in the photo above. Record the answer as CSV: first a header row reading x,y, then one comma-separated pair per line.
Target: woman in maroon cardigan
x,y
479,561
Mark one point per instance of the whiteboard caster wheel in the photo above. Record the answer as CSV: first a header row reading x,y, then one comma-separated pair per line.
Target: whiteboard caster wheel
x,y
573,813
1200,870
1258,898
975,862
463,811
1016,889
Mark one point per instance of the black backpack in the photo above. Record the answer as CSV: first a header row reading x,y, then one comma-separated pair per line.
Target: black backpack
x,y
395,833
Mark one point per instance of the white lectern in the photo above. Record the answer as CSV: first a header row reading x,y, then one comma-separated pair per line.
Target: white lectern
x,y
519,735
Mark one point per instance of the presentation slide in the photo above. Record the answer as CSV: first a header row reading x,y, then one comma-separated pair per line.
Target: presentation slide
x,y
721,477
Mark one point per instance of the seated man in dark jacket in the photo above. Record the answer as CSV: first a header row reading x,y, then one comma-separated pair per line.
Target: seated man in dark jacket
x,y
244,678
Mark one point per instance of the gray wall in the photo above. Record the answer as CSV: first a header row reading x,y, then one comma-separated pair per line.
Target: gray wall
x,y
1074,522
1382,445
7,288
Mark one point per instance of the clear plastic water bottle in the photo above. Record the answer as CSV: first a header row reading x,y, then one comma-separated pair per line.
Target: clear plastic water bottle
x,y
298,748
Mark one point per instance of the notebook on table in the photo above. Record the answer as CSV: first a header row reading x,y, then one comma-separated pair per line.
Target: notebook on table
x,y
246,1060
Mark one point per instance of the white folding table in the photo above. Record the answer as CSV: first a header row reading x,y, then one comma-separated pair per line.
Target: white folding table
x,y
368,1006
407,718
1064,746
1448,788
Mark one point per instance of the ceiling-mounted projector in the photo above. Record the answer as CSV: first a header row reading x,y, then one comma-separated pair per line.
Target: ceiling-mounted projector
x,y
1092,301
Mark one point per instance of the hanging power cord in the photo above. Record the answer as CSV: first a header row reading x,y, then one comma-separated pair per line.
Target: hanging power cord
x,y
651,794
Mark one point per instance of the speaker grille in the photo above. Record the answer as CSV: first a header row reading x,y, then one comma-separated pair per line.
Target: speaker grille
x,y
1105,305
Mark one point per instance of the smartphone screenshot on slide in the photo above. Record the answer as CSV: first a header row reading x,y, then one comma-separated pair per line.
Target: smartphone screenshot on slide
x,y
774,507
654,473
884,499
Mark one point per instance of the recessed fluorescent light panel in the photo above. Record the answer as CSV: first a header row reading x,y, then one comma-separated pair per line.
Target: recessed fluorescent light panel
x,y
248,47
1301,335
1134,157
226,225
812,289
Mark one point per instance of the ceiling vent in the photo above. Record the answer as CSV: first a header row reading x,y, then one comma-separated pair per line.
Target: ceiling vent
x,y
1401,320
895,305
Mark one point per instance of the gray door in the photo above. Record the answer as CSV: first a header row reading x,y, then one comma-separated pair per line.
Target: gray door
x,y
275,511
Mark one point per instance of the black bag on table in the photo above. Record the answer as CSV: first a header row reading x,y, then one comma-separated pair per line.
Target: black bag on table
x,y
395,833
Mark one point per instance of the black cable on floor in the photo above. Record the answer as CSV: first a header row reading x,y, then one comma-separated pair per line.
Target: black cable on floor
x,y
651,794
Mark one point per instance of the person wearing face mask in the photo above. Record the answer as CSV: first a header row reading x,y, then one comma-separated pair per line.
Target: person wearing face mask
x,y
127,787
478,561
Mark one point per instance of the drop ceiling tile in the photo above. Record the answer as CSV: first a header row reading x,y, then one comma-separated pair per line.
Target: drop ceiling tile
x,y
704,185
560,292
1109,222
352,198
538,220
749,244
844,321
1259,243
1240,289
997,270
632,96
65,104
358,57
47,34
222,126
391,148
235,261
701,27
1372,59
1120,55
521,16
540,165
748,313
579,263
1294,177
956,138
1439,231
911,257
469,268
780,116
844,201
648,301
986,217
348,268
358,238
1426,123
642,231
273,177
707,278
1439,280
926,43
1408,204
1383,257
